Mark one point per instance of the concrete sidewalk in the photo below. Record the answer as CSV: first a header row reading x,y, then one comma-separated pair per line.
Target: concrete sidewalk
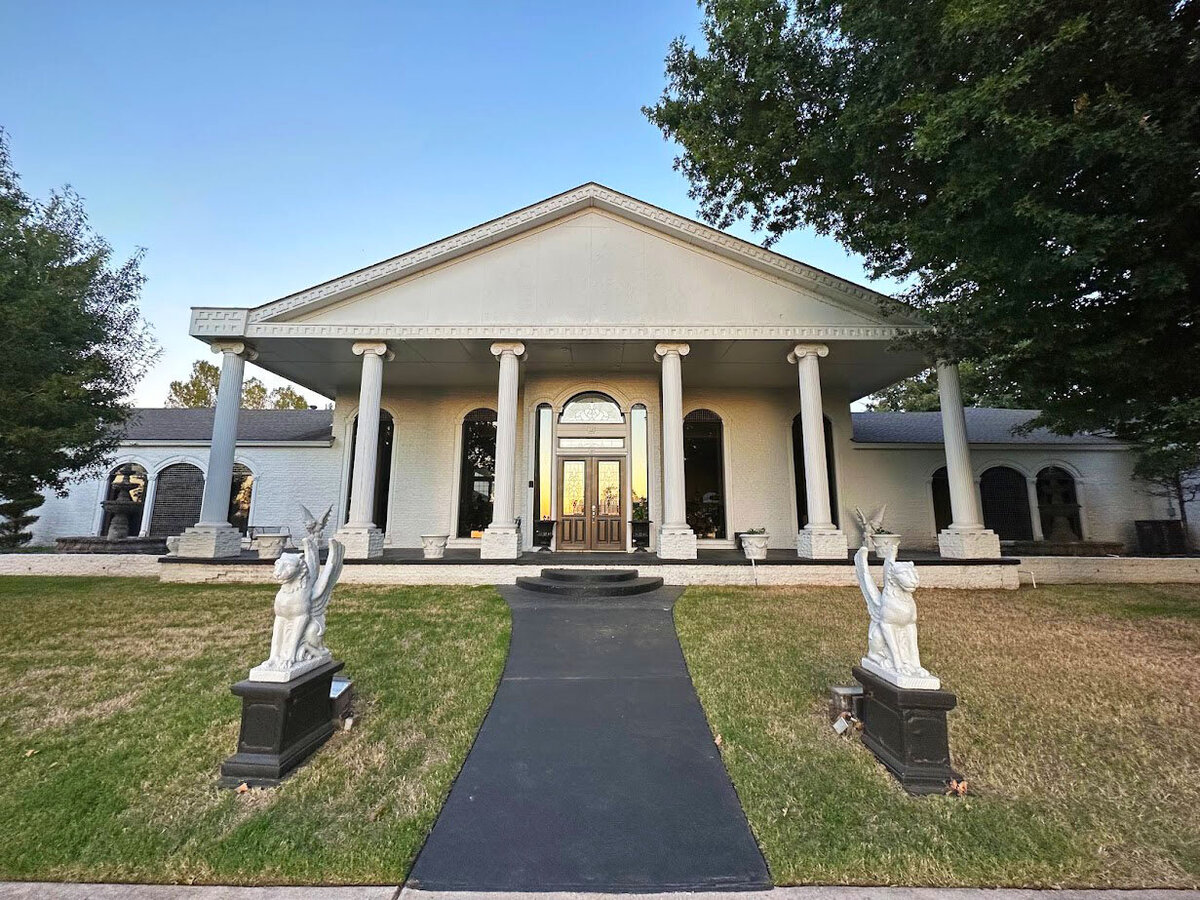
x,y
54,891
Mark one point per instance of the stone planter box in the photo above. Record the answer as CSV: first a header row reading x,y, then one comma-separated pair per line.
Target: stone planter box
x,y
755,545
434,545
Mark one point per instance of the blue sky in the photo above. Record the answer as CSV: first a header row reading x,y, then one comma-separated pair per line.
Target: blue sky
x,y
254,149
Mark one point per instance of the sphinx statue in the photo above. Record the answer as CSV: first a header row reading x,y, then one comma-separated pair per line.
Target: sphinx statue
x,y
298,637
892,651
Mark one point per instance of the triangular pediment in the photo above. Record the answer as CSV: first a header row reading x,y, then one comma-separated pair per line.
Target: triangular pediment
x,y
589,258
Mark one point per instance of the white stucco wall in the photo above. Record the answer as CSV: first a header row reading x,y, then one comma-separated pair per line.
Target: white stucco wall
x,y
284,477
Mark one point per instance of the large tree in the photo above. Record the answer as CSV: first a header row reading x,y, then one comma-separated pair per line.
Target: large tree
x,y
200,390
1029,168
920,392
72,343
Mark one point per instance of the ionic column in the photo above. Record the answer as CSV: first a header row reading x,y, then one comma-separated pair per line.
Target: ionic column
x,y
362,536
966,538
820,538
676,540
213,536
1035,512
501,540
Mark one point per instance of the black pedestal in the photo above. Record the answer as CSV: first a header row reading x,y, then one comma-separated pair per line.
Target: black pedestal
x,y
906,730
282,725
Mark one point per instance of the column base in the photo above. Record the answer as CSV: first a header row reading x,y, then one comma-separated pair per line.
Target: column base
x,y
981,544
821,544
210,542
502,542
361,542
676,543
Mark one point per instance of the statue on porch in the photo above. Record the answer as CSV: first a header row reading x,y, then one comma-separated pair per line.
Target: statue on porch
x,y
298,638
892,652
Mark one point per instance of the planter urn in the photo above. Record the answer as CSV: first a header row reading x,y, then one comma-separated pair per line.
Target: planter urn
x,y
434,545
639,534
755,545
885,545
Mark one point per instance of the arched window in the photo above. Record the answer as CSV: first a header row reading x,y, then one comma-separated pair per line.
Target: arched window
x,y
239,497
477,473
801,482
591,408
704,473
129,481
943,514
177,499
1005,497
383,469
1058,505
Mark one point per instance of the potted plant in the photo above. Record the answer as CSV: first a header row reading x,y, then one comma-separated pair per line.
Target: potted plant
x,y
639,525
885,543
434,545
543,534
754,543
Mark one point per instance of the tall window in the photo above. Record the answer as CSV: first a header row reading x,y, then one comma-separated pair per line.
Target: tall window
x,y
704,473
943,514
640,464
383,469
239,497
543,505
801,481
477,473
177,500
1058,505
1005,497
127,480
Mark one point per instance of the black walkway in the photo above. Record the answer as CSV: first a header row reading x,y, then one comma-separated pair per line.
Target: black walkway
x,y
595,769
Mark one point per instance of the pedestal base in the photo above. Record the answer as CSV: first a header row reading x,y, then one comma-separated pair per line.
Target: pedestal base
x,y
500,543
282,725
982,544
821,544
676,543
210,542
907,732
361,542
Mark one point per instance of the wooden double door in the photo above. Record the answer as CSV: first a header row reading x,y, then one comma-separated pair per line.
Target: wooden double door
x,y
591,496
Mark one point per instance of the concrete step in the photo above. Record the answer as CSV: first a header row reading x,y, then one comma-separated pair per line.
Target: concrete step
x,y
586,589
590,576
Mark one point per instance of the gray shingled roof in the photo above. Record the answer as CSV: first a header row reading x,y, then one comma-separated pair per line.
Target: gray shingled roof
x,y
984,426
186,425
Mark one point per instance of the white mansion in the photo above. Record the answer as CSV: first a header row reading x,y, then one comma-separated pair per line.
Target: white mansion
x,y
594,363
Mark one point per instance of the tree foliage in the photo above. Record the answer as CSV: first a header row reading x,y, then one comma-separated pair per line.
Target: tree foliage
x,y
920,393
1030,168
199,390
73,343
15,518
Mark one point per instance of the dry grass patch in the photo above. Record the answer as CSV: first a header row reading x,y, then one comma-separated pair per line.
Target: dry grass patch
x,y
119,715
1075,728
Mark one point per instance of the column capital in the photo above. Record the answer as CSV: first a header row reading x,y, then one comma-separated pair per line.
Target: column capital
x,y
376,348
802,350
516,348
668,348
237,348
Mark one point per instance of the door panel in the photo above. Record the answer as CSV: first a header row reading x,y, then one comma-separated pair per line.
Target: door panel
x,y
609,530
573,504
591,497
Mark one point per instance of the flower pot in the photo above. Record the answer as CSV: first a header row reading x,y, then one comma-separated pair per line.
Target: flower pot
x,y
270,546
543,533
434,545
639,534
755,545
885,545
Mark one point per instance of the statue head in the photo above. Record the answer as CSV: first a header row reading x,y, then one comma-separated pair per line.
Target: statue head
x,y
902,574
289,566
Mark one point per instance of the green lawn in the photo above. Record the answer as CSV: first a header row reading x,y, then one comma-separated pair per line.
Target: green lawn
x,y
118,714
1076,729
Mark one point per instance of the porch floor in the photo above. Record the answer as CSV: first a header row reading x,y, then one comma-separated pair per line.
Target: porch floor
x,y
705,557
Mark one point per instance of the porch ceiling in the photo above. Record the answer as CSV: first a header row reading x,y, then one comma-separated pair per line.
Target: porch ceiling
x,y
853,368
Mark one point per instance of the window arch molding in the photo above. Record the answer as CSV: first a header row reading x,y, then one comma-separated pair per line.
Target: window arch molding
x,y
726,420
589,386
349,433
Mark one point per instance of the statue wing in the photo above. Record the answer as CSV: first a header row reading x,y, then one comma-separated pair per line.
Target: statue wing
x,y
323,589
866,582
